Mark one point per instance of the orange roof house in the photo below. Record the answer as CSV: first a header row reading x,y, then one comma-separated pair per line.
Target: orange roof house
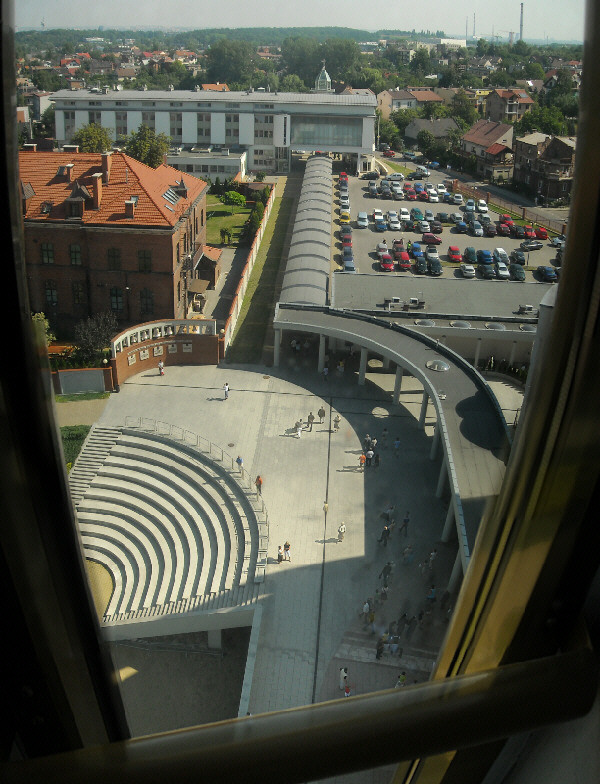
x,y
106,232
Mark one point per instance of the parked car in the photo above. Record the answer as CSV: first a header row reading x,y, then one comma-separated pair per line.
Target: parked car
x,y
482,206
386,194
418,186
434,165
394,224
470,205
345,217
372,189
505,218
404,214
380,225
433,197
456,217
443,217
518,256
410,194
403,261
499,254
389,154
489,230
469,216
391,214
467,270
454,254
395,176
420,265
414,176
541,233
469,255
516,271
485,220
347,241
532,245
436,227
345,231
547,274
382,249
344,202
408,224
386,263
501,270
448,198
558,241
432,253
529,232
517,231
428,216
441,189
503,230
476,228
362,220
347,253
461,227
416,214
377,214
416,250
430,239
485,257
349,265
370,175
424,227
423,195
398,194
487,271
434,266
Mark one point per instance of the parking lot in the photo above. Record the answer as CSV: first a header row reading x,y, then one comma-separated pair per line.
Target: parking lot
x,y
365,240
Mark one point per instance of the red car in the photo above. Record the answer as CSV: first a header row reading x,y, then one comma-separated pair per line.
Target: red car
x,y
503,229
506,219
490,230
403,260
431,239
541,233
454,254
347,241
385,262
423,195
409,194
389,154
529,233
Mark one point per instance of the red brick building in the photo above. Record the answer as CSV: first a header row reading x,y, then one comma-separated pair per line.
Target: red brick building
x,y
106,232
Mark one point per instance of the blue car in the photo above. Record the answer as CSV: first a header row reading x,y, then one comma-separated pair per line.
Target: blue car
x,y
416,250
434,165
485,257
380,225
461,227
547,274
447,198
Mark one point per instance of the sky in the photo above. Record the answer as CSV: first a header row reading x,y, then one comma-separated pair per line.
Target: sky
x,y
554,19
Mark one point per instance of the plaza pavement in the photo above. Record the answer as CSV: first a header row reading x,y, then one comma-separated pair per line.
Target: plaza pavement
x,y
310,606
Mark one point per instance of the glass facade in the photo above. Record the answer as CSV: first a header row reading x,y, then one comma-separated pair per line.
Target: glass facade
x,y
322,131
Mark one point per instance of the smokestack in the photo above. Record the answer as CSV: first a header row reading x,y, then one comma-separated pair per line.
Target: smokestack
x,y
130,208
473,25
106,164
97,195
69,171
521,27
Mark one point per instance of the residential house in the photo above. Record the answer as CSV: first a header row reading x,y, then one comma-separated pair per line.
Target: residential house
x,y
424,96
106,232
390,101
491,144
440,128
507,106
545,164
40,101
218,87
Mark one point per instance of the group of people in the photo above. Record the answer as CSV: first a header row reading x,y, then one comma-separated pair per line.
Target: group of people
x,y
283,553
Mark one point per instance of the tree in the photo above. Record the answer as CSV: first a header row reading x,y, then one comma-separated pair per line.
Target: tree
x,y
292,84
234,198
264,195
340,55
420,65
41,322
93,138
230,61
147,146
260,176
46,126
463,108
403,117
302,56
426,141
545,119
94,334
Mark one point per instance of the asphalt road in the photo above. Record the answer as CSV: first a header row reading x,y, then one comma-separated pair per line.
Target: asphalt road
x,y
365,240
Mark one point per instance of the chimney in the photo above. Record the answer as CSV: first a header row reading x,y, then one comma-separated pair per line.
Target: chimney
x,y
74,148
130,208
97,195
69,171
30,147
106,164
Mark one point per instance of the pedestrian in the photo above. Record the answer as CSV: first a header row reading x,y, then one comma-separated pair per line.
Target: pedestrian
x,y
279,554
372,620
431,596
384,593
373,444
397,446
347,690
385,535
404,526
343,677
401,682
311,419
432,557
395,645
286,551
408,555
226,390
379,648
424,567
341,531
239,462
386,571
336,422
369,455
321,413
161,368
299,429
259,483
366,609
367,443
402,623
361,462
389,512
325,373
376,461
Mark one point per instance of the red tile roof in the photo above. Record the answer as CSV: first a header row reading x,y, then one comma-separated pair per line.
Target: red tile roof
x,y
496,149
219,87
128,178
214,254
425,95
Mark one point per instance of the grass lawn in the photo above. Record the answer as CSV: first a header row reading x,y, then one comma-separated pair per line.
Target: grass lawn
x,y
257,308
221,216
397,167
73,437
81,396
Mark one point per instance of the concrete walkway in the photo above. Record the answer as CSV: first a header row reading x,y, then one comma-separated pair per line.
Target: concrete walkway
x,y
310,623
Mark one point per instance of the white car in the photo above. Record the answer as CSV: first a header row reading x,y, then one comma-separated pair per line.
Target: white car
x,y
482,206
468,270
502,270
499,254
394,224
362,220
395,176
429,186
404,214
344,202
424,227
382,248
441,189
392,214
377,215
457,198
432,253
433,197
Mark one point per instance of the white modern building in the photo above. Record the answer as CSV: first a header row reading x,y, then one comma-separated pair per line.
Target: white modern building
x,y
267,125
